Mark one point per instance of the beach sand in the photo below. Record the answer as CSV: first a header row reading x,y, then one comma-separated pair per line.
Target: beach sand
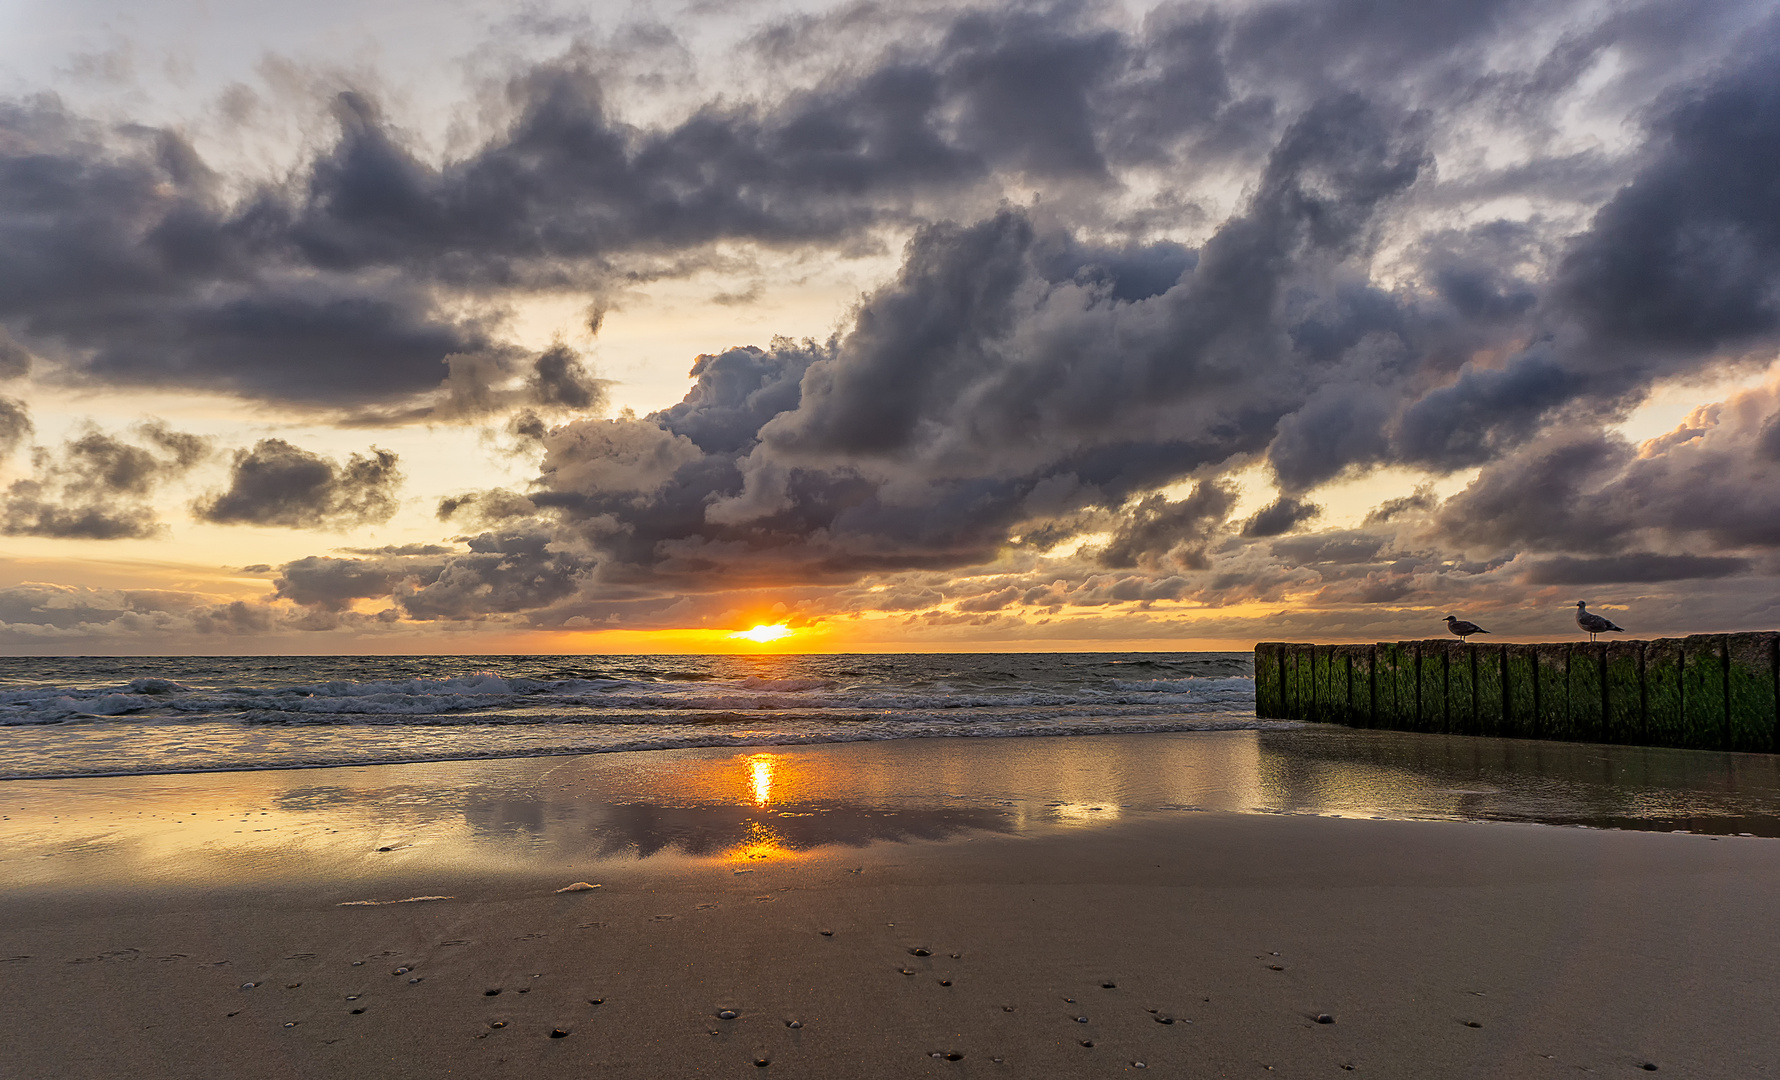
x,y
905,931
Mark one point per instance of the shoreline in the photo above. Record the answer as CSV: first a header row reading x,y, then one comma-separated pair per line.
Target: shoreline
x,y
135,911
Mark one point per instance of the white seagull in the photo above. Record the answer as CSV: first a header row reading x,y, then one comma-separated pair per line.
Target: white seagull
x,y
1593,623
1462,628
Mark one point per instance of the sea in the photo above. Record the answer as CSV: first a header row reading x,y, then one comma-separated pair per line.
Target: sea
x,y
101,716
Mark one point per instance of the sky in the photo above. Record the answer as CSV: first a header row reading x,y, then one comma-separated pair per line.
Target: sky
x,y
471,327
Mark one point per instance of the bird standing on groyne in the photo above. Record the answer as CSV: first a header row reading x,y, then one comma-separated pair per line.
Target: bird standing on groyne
x,y
1593,623
1462,628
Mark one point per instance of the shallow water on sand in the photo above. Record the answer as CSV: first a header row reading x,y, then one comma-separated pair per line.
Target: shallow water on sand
x,y
751,808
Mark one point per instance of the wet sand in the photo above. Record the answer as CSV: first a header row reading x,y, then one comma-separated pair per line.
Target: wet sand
x,y
1016,909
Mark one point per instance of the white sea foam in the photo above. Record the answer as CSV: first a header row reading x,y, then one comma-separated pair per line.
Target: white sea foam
x,y
293,712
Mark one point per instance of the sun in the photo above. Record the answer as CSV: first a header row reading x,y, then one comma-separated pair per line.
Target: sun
x,y
762,635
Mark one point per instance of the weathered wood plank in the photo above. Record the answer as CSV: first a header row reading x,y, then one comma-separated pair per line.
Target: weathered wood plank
x,y
1431,661
1269,687
1664,722
1751,679
1520,677
1588,691
1492,704
1320,683
1624,721
1461,688
1360,704
1338,709
1304,691
1554,691
1395,686
1703,701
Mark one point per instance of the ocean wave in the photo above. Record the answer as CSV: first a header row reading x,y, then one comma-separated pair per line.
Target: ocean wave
x,y
489,693
80,716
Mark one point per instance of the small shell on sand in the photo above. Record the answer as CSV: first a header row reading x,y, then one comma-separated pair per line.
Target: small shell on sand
x,y
579,886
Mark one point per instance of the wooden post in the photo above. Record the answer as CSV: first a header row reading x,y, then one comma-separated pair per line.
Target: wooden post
x,y
1461,688
1664,723
1624,721
1395,686
1753,698
1554,691
1520,677
1269,687
1321,690
1492,704
1431,657
1302,685
1705,725
1360,704
1588,691
1338,709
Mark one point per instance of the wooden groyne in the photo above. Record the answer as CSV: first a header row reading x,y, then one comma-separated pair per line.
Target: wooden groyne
x,y
1706,692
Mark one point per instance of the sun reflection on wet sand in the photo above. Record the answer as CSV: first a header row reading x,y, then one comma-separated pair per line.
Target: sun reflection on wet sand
x,y
760,773
762,844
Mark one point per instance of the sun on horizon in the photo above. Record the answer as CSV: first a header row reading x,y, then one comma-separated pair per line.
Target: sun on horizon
x,y
763,634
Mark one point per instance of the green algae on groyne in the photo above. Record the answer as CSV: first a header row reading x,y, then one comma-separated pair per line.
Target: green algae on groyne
x,y
1706,691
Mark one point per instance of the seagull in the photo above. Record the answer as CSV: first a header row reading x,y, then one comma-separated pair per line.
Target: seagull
x,y
1462,628
1593,623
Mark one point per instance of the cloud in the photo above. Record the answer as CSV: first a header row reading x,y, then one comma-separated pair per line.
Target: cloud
x,y
98,486
1180,531
279,484
134,261
1324,237
15,425
1280,516
333,584
1638,567
1588,492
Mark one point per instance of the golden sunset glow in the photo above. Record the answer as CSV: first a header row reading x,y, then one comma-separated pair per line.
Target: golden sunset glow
x,y
760,777
763,634
762,844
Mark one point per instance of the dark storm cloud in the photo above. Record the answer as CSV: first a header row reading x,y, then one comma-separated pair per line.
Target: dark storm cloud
x,y
1641,567
1007,360
1179,531
1686,258
1330,547
1280,516
1422,498
503,573
333,584
559,379
1589,493
126,256
97,486
277,483
1082,319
